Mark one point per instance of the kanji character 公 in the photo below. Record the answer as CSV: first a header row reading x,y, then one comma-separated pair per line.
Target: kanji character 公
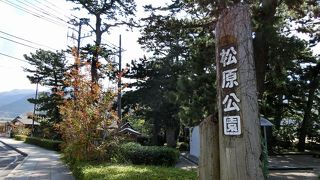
x,y
230,102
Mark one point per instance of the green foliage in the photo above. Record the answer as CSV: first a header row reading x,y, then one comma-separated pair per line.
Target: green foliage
x,y
87,171
20,137
138,123
187,51
181,72
112,150
45,143
287,71
144,140
20,130
151,155
47,130
285,137
48,69
155,77
184,146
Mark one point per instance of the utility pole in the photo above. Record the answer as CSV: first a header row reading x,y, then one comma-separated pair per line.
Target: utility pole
x,y
119,81
81,22
35,106
239,127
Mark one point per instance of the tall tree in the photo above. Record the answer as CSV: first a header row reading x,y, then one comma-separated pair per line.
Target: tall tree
x,y
189,41
107,14
154,81
48,69
267,15
311,83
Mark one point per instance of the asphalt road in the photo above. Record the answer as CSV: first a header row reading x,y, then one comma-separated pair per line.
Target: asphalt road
x,y
9,159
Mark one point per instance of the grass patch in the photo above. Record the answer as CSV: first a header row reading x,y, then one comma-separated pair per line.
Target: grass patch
x,y
132,172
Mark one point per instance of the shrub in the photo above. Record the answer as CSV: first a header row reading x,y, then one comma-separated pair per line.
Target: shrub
x,y
152,155
20,137
143,140
45,143
184,146
86,117
20,130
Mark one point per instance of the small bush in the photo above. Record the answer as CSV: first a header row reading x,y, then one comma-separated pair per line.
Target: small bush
x,y
184,147
143,140
150,155
45,143
20,137
20,130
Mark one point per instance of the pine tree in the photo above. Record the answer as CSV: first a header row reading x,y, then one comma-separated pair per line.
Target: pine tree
x,y
48,69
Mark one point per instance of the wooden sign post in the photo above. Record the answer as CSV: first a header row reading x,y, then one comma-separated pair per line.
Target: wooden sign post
x,y
239,129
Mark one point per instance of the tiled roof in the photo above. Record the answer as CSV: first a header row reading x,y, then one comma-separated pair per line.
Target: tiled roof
x,y
25,120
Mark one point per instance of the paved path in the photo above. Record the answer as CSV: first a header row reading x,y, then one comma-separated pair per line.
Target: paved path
x,y
185,163
9,159
310,165
39,164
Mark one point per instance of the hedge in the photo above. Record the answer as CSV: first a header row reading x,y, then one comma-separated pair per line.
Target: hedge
x,y
45,143
20,137
149,155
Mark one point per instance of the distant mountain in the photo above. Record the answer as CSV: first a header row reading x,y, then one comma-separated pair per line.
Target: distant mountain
x,y
14,103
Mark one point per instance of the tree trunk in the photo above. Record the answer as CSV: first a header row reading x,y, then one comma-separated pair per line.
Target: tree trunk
x,y
171,137
209,165
278,113
314,84
306,118
95,60
260,42
239,127
155,132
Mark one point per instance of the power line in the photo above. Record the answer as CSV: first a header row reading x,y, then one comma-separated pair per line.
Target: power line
x,y
38,44
55,10
32,13
28,45
26,41
32,6
13,57
18,42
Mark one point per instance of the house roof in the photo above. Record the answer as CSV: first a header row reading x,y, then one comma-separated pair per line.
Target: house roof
x,y
126,125
25,120
129,130
5,120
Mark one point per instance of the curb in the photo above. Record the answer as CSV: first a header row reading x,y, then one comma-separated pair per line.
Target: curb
x,y
25,157
188,159
289,168
14,148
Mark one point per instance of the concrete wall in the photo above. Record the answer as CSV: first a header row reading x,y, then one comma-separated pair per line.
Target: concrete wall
x,y
195,141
